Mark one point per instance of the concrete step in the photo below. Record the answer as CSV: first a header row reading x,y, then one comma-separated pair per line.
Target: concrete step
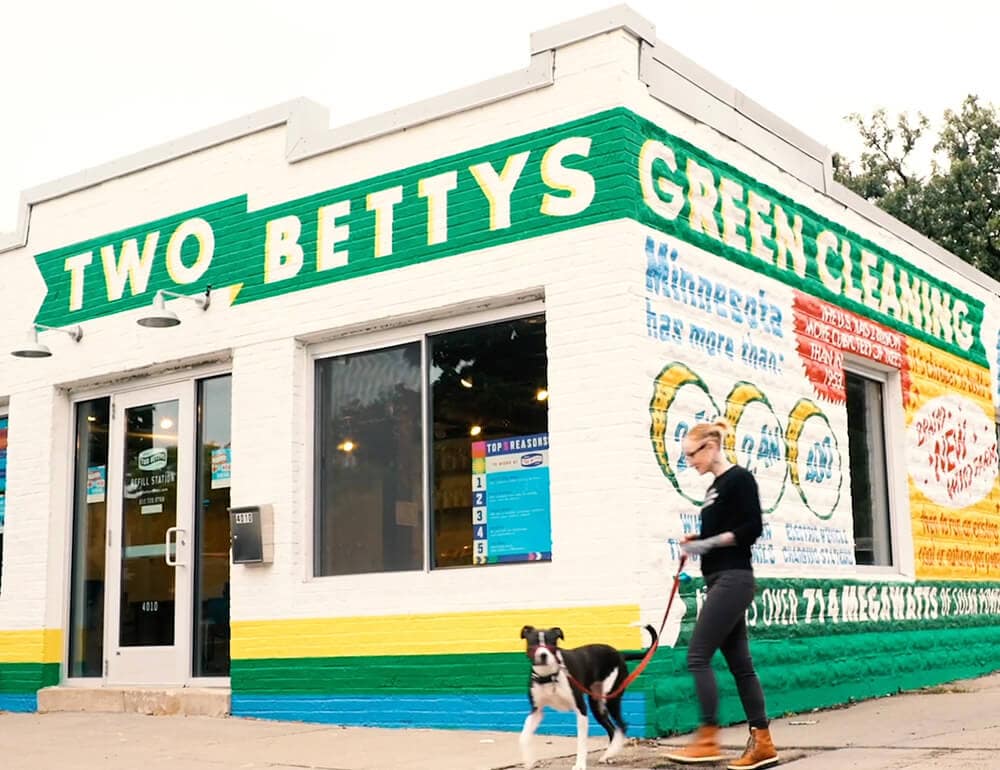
x,y
155,701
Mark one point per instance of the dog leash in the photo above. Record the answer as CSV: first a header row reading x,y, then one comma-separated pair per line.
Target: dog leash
x,y
649,653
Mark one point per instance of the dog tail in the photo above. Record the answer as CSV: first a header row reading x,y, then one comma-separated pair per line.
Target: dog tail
x,y
641,655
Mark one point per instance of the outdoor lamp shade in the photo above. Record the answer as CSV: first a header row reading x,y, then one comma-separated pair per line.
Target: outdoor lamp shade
x,y
35,349
32,348
158,316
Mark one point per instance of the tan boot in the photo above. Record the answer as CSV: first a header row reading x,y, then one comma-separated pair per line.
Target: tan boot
x,y
759,753
704,748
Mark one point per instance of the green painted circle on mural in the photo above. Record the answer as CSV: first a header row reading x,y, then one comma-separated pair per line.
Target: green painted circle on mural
x,y
667,385
740,398
803,411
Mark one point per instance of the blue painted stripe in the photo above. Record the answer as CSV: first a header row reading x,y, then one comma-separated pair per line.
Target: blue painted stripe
x,y
20,703
447,712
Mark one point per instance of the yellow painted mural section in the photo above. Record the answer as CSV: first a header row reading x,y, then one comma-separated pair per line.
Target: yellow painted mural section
x,y
432,634
952,466
42,645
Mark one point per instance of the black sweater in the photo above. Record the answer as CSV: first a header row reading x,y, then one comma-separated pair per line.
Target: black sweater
x,y
732,504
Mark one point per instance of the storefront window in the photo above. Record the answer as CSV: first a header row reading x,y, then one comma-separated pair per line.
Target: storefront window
x,y
211,605
369,506
86,640
869,482
487,452
489,411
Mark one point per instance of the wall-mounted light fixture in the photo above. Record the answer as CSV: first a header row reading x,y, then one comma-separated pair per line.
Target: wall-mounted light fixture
x,y
159,317
32,348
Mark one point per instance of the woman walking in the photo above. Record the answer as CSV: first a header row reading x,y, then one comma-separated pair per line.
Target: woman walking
x,y
730,524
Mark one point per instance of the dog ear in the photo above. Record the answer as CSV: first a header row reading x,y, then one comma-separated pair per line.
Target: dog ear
x,y
527,630
557,633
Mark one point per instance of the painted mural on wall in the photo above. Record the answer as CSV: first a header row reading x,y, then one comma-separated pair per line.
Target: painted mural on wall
x,y
728,339
761,337
951,447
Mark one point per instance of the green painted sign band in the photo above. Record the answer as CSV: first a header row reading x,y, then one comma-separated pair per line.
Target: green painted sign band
x,y
791,608
533,185
606,166
710,204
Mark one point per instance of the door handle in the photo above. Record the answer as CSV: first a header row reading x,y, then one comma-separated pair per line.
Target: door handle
x,y
166,544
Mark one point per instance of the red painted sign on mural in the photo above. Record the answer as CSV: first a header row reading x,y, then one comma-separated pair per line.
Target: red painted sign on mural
x,y
825,332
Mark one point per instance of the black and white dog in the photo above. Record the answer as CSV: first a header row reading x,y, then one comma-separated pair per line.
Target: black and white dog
x,y
598,667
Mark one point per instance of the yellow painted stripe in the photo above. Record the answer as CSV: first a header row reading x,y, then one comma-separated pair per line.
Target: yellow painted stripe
x,y
445,633
43,645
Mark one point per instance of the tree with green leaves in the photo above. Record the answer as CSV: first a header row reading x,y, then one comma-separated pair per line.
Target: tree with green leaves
x,y
957,202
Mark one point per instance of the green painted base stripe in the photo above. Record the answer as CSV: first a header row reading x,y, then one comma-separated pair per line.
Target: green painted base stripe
x,y
413,674
799,675
27,678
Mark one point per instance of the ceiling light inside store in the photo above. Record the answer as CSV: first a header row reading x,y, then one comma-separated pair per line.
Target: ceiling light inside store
x,y
465,382
346,445
166,423
542,395
475,430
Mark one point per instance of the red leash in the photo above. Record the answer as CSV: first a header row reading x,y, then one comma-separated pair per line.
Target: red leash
x,y
649,653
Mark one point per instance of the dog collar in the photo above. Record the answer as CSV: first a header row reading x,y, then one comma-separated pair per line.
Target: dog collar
x,y
547,679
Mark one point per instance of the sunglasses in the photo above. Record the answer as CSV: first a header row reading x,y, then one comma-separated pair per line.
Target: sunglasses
x,y
690,455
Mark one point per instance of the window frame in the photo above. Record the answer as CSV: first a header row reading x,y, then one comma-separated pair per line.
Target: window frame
x,y
4,415
402,333
897,492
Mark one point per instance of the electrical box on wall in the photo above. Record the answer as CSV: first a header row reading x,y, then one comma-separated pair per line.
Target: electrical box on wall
x,y
252,534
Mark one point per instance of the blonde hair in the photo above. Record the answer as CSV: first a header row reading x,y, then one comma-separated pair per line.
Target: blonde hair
x,y
717,430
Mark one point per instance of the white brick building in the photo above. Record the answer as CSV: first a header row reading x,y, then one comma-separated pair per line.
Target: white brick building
x,y
613,244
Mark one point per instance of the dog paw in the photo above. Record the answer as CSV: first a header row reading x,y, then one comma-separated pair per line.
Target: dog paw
x,y
578,766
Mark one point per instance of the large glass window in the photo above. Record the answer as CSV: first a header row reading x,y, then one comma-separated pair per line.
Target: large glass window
x,y
869,479
488,387
369,495
484,391
3,485
211,605
90,509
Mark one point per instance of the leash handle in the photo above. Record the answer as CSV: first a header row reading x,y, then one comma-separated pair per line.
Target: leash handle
x,y
649,653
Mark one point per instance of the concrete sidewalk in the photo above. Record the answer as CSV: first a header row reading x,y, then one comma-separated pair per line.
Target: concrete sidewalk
x,y
955,726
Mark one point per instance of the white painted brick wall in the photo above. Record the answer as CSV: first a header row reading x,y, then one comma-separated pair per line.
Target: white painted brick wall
x,y
588,309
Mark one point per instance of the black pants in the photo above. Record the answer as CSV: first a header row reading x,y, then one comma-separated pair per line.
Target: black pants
x,y
722,626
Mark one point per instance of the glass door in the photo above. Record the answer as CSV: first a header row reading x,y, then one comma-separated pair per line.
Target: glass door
x,y
150,535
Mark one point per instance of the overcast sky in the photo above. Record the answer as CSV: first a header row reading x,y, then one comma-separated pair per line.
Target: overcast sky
x,y
82,83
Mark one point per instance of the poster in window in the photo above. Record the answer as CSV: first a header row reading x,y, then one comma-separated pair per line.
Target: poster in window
x,y
221,461
152,480
3,469
97,482
511,515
